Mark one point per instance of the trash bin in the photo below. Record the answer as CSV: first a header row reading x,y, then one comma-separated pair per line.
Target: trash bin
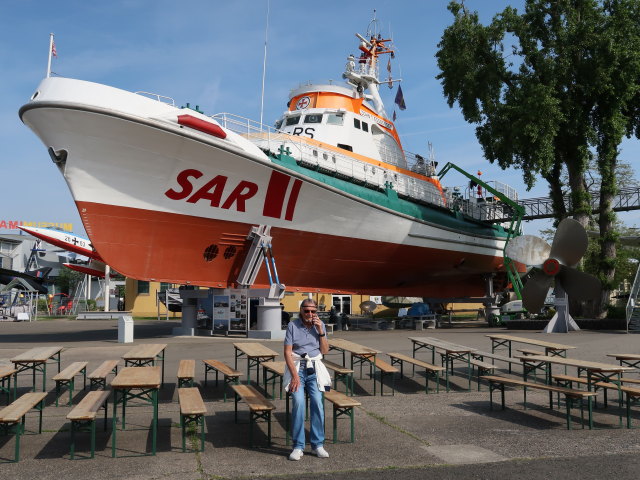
x,y
125,329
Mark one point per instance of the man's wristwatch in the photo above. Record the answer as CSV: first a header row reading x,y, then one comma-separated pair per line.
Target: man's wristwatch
x,y
322,334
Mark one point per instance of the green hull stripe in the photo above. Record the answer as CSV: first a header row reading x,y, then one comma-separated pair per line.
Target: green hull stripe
x,y
390,200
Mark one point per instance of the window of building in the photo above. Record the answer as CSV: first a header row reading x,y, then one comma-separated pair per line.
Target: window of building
x,y
356,123
335,119
314,118
293,120
164,286
143,287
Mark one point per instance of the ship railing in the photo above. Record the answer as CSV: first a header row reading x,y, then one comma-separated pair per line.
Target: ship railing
x,y
485,208
505,189
334,163
159,98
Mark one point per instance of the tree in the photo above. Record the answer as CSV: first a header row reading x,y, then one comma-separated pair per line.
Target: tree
x,y
67,280
550,90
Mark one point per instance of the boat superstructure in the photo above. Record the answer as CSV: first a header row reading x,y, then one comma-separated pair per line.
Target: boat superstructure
x,y
170,194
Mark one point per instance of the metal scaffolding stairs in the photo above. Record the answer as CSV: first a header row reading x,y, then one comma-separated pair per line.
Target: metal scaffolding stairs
x,y
633,309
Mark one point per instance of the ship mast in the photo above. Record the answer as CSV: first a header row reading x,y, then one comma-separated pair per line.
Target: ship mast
x,y
364,76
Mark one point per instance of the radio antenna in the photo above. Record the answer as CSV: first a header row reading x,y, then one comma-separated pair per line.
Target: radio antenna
x,y
264,63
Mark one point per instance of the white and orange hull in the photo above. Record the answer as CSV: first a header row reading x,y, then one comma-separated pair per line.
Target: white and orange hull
x,y
167,203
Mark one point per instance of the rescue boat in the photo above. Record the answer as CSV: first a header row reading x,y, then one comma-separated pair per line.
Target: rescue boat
x,y
169,194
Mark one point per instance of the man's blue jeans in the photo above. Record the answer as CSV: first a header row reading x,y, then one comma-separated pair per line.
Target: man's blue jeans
x,y
309,384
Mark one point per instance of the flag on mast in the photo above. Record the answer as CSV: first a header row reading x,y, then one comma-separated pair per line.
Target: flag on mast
x,y
400,99
54,52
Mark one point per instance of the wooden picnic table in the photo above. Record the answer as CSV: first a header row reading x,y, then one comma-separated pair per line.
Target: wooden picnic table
x,y
36,360
449,351
142,383
627,359
550,348
255,353
596,371
5,382
145,355
359,355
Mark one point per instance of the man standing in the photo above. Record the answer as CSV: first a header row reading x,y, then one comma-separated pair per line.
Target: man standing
x,y
304,345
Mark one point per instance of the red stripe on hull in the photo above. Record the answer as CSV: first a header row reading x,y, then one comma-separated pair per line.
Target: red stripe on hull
x,y
150,245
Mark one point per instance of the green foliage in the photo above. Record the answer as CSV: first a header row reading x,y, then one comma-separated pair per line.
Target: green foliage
x,y
42,306
67,280
551,89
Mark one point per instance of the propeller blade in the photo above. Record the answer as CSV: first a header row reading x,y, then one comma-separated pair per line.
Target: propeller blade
x,y
535,291
579,285
570,242
528,249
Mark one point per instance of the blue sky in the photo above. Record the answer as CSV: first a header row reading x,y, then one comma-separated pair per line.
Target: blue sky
x,y
210,53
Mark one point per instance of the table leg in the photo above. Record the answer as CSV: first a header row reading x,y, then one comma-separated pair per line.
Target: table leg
x,y
114,426
154,399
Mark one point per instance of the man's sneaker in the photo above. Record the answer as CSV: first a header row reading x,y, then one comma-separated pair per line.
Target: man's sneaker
x,y
320,452
297,454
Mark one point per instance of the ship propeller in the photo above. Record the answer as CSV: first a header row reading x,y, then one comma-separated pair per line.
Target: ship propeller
x,y
554,263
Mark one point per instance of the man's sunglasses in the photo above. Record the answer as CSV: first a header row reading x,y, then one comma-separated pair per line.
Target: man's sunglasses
x,y
308,310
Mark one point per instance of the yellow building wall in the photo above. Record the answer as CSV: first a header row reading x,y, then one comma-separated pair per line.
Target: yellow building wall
x,y
144,304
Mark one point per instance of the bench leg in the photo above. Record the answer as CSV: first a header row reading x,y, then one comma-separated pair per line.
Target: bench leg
x,y
198,421
72,447
19,431
93,438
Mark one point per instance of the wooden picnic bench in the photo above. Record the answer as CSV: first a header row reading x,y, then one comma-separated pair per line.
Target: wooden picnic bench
x,y
342,405
192,412
83,417
67,378
430,370
632,394
385,369
186,372
13,416
340,373
98,378
529,351
483,368
5,382
272,371
230,375
571,395
259,408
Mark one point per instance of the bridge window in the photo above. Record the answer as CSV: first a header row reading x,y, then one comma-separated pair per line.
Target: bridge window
x,y
317,118
356,123
365,126
335,119
293,120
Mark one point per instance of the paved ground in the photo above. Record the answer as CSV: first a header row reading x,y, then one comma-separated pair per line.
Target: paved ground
x,y
405,436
